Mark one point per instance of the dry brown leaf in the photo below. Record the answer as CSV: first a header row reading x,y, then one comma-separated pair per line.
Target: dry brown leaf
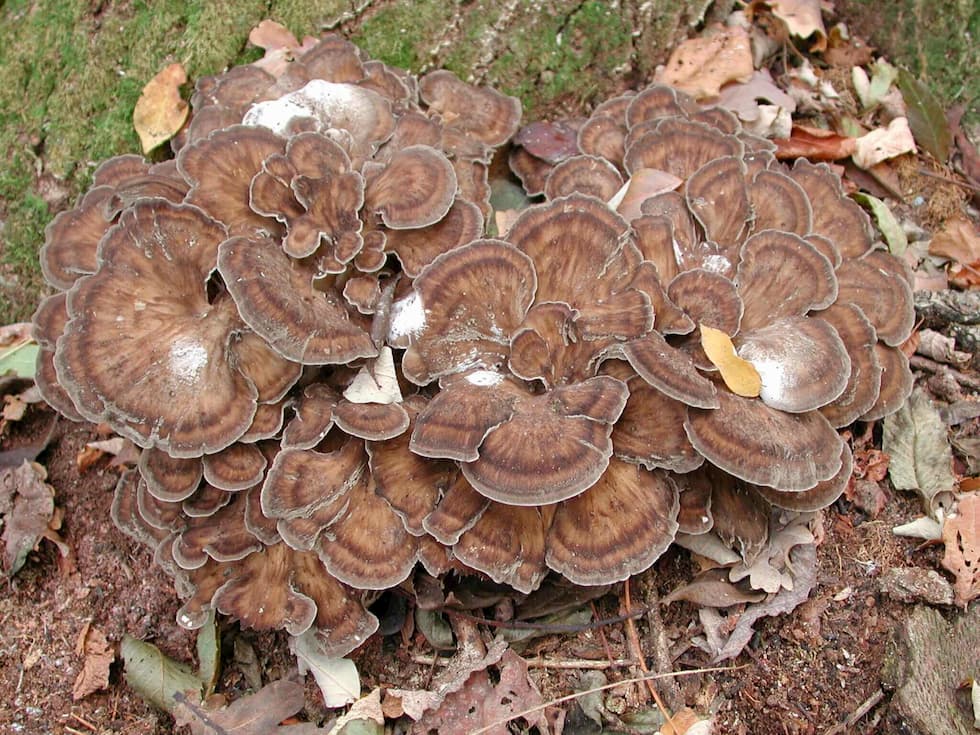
x,y
160,111
643,184
961,534
959,242
884,143
681,722
26,508
87,457
11,334
712,589
13,408
700,66
802,19
739,375
816,144
258,713
281,46
93,645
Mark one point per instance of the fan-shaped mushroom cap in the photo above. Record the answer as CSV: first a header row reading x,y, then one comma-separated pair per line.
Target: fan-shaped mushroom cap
x,y
335,59
160,514
780,275
144,350
761,445
281,588
236,88
71,239
314,417
877,283
603,136
708,298
460,507
802,362
695,516
532,172
238,467
779,203
411,484
896,382
670,370
836,217
716,195
552,142
374,421
494,425
221,536
655,102
267,422
168,478
679,147
415,188
507,544
417,247
205,501
741,516
479,112
465,306
668,317
589,175
651,430
820,496
125,512
618,528
367,545
220,169
687,252
49,324
858,336
277,298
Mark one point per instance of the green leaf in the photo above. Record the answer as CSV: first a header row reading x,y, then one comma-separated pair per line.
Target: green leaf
x,y
156,677
882,77
915,439
435,629
21,358
891,230
208,655
926,117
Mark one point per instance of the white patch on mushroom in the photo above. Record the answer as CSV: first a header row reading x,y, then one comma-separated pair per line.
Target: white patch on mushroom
x,y
407,319
484,378
716,263
187,359
333,105
772,372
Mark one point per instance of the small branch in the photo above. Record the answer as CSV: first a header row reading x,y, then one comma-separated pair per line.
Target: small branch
x,y
931,366
571,664
865,707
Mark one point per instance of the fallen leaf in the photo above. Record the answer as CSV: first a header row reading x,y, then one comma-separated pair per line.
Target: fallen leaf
x,y
915,439
701,66
19,359
882,144
482,705
643,184
92,644
746,99
958,240
924,527
961,534
258,713
815,144
550,141
160,111
802,19
891,230
366,710
376,382
712,589
26,510
872,91
926,118
739,375
280,45
337,678
941,348
970,156
683,722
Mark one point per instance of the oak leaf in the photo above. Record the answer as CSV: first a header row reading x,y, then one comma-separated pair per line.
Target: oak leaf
x,y
700,66
99,655
160,111
961,534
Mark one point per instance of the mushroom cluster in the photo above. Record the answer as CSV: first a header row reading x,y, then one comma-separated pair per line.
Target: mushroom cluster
x,y
335,376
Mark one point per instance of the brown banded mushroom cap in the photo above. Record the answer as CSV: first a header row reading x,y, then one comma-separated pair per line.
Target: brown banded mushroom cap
x,y
820,496
168,478
839,219
878,283
415,188
237,467
49,324
679,147
145,351
864,382
277,298
588,175
415,248
480,112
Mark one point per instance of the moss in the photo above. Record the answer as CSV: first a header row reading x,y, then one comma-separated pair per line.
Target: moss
x,y
404,34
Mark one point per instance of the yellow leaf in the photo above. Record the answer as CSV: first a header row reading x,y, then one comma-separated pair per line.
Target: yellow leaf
x,y
160,112
739,375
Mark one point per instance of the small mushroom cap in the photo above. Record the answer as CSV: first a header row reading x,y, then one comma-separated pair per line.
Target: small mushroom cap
x,y
670,370
651,430
604,136
695,516
668,317
761,445
877,283
839,219
467,303
277,299
267,422
168,478
236,88
160,514
679,147
367,546
335,59
220,169
782,275
802,362
717,197
460,507
618,528
144,350
411,484
480,112
125,512
417,247
221,536
206,501
741,516
552,142
686,254
415,189
235,468
532,172
508,545
708,298
816,498
779,203
49,323
589,175
864,382
373,421
314,417
71,239
548,348
655,102
896,382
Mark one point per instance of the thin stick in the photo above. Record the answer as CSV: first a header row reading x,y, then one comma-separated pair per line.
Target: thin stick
x,y
542,663
604,687
954,182
601,632
638,652
931,366
545,627
852,719
84,722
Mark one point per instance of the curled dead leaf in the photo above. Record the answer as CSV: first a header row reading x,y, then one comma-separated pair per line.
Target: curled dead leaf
x,y
700,66
739,375
98,657
961,534
160,111
816,144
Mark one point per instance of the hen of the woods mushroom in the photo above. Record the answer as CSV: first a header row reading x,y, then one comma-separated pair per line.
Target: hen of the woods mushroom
x,y
338,380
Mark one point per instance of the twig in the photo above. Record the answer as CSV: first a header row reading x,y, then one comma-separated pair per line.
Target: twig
x,y
638,652
541,663
545,627
604,687
82,721
866,706
924,363
601,632
954,182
